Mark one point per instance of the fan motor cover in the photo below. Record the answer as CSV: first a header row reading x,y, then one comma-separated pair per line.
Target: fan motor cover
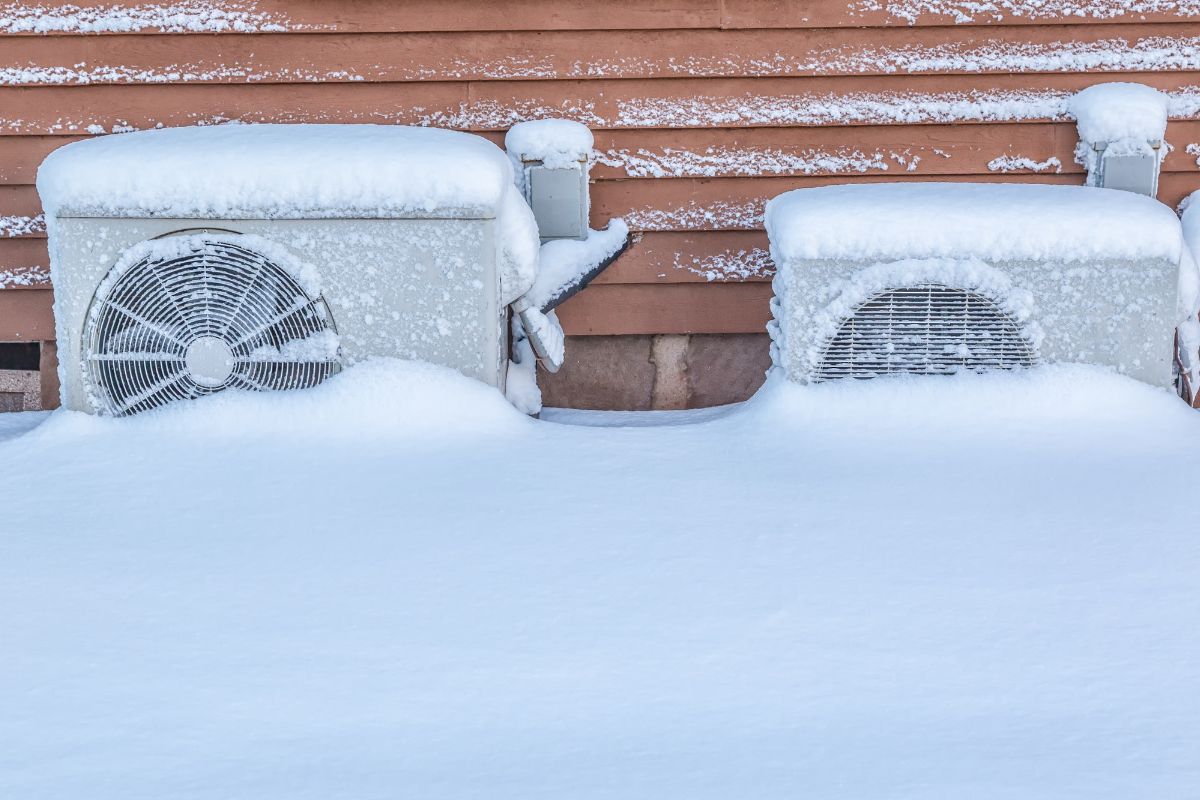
x,y
192,314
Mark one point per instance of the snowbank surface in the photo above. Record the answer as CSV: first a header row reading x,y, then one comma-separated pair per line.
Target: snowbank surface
x,y
394,585
992,222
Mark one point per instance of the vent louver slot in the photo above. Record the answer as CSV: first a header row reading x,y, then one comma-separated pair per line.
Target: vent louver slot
x,y
928,329
214,317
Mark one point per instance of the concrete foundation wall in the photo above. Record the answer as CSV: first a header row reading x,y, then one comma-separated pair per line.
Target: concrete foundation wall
x,y
666,371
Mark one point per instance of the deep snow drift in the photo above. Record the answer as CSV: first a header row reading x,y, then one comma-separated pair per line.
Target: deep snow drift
x,y
394,585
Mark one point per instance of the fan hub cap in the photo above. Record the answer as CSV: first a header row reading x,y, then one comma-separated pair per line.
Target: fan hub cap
x,y
209,361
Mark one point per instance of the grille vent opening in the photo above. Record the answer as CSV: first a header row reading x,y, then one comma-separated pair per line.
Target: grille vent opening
x,y
928,329
217,317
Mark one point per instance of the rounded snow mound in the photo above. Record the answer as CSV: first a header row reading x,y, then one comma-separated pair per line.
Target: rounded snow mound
x,y
375,399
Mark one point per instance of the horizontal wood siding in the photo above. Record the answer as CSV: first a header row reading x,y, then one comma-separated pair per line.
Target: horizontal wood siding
x,y
702,109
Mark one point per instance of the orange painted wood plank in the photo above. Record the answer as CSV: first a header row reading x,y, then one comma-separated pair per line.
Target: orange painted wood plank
x,y
574,55
26,315
362,16
610,310
355,16
602,104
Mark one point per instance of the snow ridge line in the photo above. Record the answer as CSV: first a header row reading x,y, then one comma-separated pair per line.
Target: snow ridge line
x,y
1022,163
181,16
729,265
963,11
688,112
24,276
84,75
14,225
1155,53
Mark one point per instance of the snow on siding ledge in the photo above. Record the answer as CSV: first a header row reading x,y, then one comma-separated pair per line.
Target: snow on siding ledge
x,y
1115,54
676,163
1024,164
740,265
721,215
14,225
24,276
82,75
182,16
675,112
963,11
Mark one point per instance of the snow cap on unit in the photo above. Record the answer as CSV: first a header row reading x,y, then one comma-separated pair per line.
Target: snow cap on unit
x,y
1111,112
277,171
557,143
992,222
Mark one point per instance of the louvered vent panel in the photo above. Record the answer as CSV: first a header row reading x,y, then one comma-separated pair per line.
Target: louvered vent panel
x,y
925,330
217,317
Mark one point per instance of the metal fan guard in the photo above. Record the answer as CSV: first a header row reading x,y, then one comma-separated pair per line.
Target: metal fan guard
x,y
219,316
928,329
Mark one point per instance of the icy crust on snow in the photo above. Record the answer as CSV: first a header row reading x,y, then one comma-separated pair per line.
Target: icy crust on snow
x,y
298,172
960,220
564,262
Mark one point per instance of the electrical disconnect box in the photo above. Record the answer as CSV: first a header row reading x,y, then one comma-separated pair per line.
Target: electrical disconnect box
x,y
559,199
1130,169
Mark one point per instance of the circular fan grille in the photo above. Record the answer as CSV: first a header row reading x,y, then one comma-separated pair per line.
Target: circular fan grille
x,y
925,330
215,316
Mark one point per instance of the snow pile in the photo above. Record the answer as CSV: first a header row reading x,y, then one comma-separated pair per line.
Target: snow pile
x,y
1123,119
565,263
975,587
992,222
296,172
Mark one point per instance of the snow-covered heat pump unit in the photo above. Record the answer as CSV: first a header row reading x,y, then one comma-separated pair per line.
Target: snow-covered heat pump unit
x,y
551,158
186,261
941,278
